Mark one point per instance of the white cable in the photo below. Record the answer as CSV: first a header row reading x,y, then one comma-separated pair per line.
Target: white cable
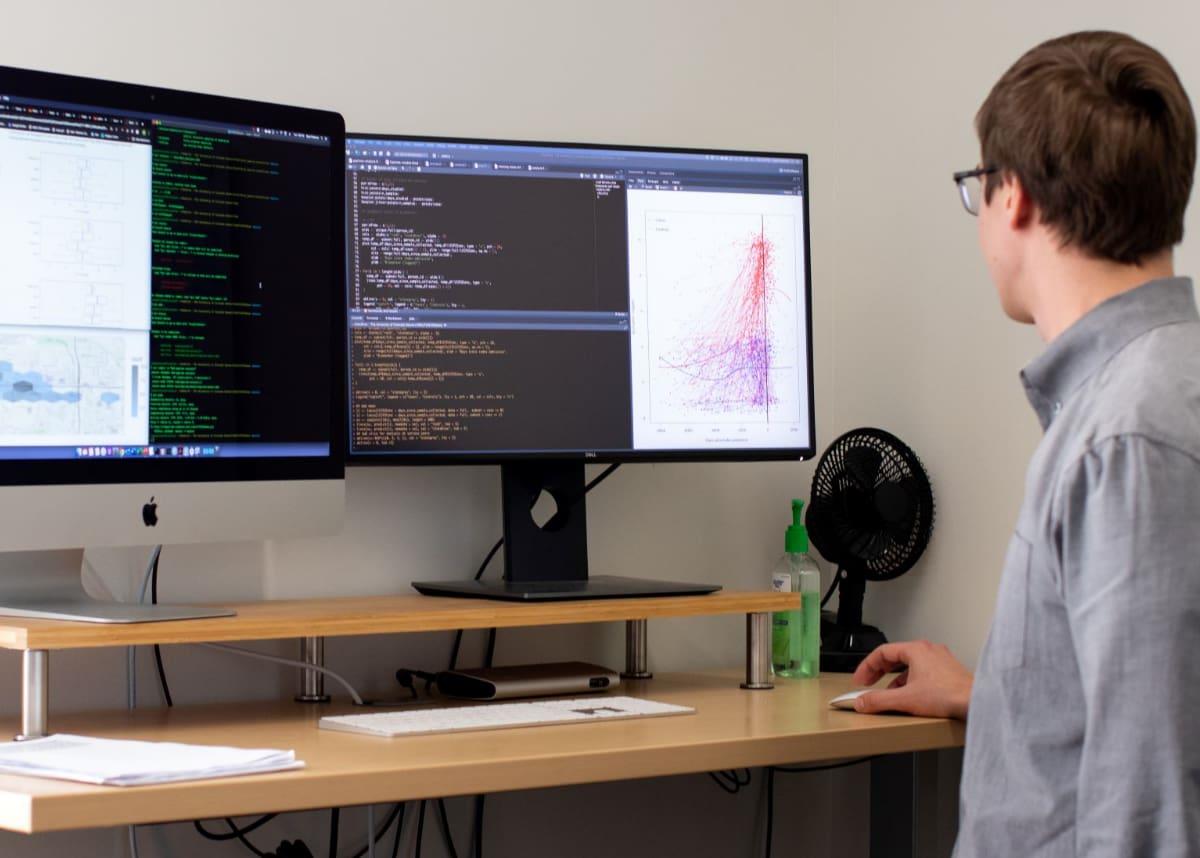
x,y
249,653
131,652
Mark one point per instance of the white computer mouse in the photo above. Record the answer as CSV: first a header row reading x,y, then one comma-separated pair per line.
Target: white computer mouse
x,y
846,701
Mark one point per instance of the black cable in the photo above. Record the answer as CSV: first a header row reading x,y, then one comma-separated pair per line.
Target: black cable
x,y
382,829
601,477
399,832
420,829
240,836
484,565
479,825
335,815
233,834
731,789
795,770
730,780
832,586
238,833
162,674
458,635
441,806
489,657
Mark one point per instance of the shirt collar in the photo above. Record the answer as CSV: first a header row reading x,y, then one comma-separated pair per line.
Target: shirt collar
x,y
1079,351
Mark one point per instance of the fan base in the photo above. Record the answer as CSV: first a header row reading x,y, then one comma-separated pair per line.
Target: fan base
x,y
843,648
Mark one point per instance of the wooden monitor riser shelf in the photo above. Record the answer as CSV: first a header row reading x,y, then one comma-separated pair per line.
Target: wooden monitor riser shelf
x,y
730,729
312,620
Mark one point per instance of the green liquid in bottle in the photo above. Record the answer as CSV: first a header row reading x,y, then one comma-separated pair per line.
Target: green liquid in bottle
x,y
809,662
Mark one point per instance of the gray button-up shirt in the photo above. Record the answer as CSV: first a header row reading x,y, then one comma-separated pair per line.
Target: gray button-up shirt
x,y
1083,737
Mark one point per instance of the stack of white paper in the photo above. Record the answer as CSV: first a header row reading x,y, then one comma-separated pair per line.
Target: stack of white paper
x,y
119,762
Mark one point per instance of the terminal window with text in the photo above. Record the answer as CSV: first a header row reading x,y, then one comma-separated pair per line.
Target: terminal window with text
x,y
150,268
516,299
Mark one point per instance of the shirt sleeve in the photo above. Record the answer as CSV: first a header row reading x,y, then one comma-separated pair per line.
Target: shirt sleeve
x,y
1129,543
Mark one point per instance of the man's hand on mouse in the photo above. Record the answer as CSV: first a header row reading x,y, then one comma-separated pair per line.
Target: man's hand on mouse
x,y
935,684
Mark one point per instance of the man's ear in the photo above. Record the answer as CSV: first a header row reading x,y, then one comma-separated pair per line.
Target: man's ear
x,y
1018,207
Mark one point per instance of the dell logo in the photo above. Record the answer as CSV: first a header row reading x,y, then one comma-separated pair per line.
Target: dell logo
x,y
150,513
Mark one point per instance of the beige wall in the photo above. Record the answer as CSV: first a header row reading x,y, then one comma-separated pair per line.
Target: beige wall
x,y
907,332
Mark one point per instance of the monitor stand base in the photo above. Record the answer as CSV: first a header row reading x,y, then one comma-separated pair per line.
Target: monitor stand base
x,y
49,585
595,587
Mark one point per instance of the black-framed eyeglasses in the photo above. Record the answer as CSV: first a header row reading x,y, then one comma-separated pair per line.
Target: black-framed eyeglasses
x,y
970,186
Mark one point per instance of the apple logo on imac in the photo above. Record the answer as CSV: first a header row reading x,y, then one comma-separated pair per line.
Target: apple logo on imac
x,y
150,513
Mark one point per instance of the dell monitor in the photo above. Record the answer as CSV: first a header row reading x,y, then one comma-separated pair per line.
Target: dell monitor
x,y
172,328
542,306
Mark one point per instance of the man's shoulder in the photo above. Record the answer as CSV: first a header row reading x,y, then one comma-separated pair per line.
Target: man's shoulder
x,y
1149,390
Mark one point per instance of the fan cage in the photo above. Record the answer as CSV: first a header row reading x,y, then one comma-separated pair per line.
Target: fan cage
x,y
856,539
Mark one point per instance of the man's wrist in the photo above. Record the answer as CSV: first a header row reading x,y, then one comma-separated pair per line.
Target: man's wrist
x,y
963,704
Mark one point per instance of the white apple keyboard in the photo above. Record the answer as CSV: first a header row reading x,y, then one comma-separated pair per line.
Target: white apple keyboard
x,y
500,716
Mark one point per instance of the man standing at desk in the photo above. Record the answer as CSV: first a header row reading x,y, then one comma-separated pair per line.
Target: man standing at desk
x,y
1082,735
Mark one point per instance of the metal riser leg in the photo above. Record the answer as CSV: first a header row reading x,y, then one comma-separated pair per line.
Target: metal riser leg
x,y
758,652
637,651
312,682
35,693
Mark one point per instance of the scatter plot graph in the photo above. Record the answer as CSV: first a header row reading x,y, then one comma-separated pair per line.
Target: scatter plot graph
x,y
722,317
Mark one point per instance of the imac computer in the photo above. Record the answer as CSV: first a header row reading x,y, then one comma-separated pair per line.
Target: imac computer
x,y
543,306
172,328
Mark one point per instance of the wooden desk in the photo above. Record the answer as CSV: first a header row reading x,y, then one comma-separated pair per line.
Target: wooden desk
x,y
731,729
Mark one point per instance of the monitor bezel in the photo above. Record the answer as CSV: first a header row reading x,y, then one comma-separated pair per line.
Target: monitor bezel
x,y
120,96
598,456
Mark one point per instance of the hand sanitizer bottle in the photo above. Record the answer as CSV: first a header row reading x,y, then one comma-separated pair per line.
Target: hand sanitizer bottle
x,y
796,635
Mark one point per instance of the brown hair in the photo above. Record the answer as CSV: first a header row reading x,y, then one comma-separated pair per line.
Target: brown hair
x,y
1099,132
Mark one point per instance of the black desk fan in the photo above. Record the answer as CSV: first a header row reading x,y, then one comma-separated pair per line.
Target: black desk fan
x,y
871,513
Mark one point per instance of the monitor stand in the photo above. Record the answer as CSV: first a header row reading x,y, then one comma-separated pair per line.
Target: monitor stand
x,y
49,585
548,563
